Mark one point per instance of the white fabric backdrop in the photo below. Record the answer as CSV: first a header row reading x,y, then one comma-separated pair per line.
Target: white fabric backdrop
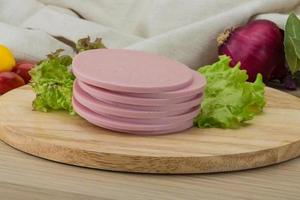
x,y
181,29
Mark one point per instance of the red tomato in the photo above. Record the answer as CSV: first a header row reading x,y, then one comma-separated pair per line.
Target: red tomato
x,y
22,68
9,81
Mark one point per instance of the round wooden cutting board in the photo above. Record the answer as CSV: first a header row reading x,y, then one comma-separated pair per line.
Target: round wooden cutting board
x,y
270,138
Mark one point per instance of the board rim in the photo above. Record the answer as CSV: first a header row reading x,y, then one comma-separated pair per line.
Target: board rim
x,y
195,170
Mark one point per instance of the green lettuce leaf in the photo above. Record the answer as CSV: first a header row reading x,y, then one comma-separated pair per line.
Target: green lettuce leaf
x,y
52,81
229,100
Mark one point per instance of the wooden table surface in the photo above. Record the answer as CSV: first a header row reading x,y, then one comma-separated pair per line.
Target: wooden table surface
x,y
23,177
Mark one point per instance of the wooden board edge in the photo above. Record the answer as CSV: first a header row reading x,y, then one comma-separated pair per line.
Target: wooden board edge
x,y
136,164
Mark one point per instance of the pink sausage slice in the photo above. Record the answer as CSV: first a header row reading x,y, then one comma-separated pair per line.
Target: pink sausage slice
x,y
191,114
169,107
104,122
130,71
108,95
184,126
197,86
188,115
102,107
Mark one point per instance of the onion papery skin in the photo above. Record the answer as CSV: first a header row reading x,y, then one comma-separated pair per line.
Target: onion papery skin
x,y
258,46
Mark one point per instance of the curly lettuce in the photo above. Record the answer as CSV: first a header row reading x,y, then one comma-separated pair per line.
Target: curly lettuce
x,y
229,100
52,81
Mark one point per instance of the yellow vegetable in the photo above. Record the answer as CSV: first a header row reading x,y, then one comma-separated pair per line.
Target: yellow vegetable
x,y
7,60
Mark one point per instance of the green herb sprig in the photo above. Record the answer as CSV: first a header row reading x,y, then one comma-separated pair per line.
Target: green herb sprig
x,y
292,43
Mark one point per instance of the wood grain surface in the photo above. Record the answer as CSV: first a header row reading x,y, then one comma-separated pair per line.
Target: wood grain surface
x,y
270,138
23,177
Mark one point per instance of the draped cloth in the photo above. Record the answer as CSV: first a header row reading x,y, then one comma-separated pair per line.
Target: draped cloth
x,y
184,30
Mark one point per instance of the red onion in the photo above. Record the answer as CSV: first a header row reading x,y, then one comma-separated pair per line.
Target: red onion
x,y
258,46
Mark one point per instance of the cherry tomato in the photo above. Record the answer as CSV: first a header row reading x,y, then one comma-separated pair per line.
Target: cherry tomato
x,y
9,81
22,68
